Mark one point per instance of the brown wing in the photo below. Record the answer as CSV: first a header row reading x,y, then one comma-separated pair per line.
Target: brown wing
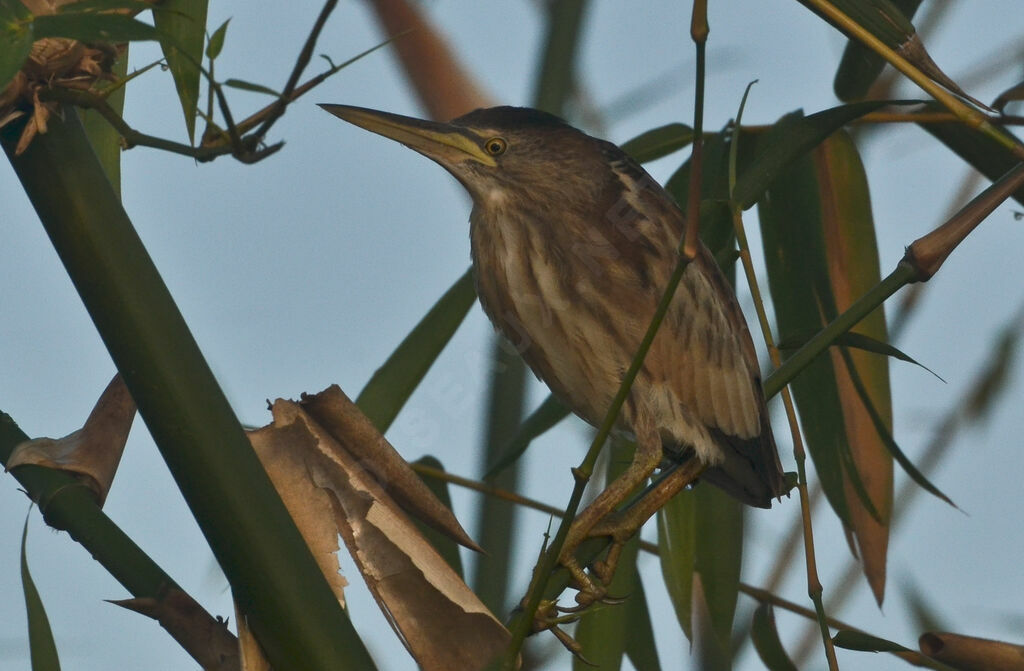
x,y
714,372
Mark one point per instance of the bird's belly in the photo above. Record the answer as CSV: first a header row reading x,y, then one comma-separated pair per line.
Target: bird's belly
x,y
566,342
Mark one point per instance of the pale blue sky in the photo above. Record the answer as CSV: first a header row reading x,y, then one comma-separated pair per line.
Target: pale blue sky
x,y
309,268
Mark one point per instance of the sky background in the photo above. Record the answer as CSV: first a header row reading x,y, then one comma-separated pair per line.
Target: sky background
x,y
307,269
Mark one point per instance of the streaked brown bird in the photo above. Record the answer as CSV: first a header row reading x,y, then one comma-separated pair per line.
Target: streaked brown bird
x,y
573,244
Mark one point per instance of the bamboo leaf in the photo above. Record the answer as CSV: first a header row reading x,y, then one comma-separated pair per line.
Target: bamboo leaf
x,y
640,646
885,434
40,637
183,22
17,35
604,632
216,42
243,85
546,416
700,540
766,640
858,640
791,137
821,253
658,142
858,341
677,552
90,27
445,546
106,141
80,6
982,152
393,383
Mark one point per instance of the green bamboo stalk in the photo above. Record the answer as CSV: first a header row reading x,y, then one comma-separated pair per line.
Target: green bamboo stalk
x,y
274,577
67,504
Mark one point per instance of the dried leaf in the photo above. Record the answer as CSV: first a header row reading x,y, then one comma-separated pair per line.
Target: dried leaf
x,y
347,424
438,618
93,452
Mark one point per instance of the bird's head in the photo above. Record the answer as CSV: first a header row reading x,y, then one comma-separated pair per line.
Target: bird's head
x,y
504,156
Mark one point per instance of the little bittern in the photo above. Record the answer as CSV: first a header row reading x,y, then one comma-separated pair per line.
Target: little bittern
x,y
573,244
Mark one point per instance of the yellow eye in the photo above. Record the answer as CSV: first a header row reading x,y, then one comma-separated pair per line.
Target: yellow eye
x,y
496,146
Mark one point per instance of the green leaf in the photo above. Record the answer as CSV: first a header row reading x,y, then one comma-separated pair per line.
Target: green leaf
x,y
106,141
885,434
40,637
604,632
984,153
183,22
17,36
700,542
90,27
677,550
640,646
547,415
821,257
82,6
858,640
250,86
766,640
216,42
393,383
659,142
445,546
791,137
858,341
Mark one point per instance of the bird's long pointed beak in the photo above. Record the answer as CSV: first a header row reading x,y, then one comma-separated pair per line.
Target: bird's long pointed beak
x,y
443,142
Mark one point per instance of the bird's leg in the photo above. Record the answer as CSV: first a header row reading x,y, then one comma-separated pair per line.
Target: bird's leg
x,y
622,525
588,523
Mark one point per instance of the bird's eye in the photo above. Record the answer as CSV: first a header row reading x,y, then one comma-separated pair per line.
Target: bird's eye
x,y
496,146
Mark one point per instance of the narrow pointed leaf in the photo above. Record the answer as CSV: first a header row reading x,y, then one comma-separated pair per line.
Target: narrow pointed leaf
x,y
821,255
700,538
243,85
216,41
184,24
659,142
393,383
885,434
857,640
603,633
858,341
90,27
766,640
640,646
982,152
40,637
677,552
17,36
546,416
80,6
790,138
106,141
445,546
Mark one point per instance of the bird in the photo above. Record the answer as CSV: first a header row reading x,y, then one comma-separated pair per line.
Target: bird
x,y
573,244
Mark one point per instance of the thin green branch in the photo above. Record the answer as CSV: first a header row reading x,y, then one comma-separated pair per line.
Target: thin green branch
x,y
814,587
273,575
963,112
